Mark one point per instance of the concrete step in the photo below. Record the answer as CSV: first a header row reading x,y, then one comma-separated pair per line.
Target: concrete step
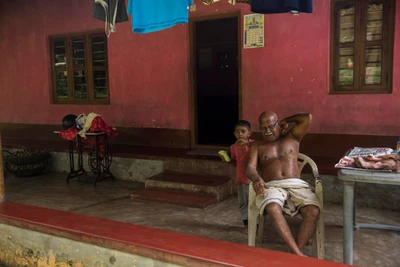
x,y
199,166
175,197
215,185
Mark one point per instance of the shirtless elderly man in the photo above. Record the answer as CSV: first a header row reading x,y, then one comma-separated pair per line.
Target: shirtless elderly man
x,y
279,188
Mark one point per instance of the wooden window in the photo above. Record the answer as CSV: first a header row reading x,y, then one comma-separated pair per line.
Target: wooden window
x,y
79,69
362,34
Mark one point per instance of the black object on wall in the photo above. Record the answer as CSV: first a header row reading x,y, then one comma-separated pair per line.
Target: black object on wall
x,y
281,6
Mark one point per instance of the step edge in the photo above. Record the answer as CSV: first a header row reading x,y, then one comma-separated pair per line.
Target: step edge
x,y
180,185
169,190
176,202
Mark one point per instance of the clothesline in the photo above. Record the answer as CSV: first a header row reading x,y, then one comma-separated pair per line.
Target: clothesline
x,y
155,15
232,2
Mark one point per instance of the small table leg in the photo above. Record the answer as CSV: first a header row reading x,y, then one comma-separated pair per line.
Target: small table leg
x,y
80,152
71,160
348,221
80,171
107,159
355,207
103,160
98,166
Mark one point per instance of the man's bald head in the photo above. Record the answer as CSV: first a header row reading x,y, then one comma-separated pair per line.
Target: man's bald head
x,y
268,115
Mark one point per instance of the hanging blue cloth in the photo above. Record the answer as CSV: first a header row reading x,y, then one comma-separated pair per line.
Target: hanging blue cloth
x,y
281,6
156,15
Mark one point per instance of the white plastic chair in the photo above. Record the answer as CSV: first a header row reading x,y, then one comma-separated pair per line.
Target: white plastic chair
x,y
255,213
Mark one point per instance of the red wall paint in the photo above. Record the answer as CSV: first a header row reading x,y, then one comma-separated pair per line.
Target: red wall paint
x,y
291,74
149,73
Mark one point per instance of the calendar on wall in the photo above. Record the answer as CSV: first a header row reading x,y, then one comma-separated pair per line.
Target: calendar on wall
x,y
253,31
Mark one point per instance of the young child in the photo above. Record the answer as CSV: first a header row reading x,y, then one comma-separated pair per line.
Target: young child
x,y
238,158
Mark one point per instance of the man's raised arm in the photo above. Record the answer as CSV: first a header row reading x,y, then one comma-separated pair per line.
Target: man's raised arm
x,y
302,123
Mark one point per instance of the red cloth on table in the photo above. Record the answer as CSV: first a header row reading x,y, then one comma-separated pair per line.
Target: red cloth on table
x,y
98,125
69,134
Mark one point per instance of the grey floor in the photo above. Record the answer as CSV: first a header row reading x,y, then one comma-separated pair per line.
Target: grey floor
x,y
110,199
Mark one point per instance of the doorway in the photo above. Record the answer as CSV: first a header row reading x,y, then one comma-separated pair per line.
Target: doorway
x,y
215,75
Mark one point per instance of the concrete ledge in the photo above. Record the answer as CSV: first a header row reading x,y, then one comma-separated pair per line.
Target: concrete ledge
x,y
23,247
165,246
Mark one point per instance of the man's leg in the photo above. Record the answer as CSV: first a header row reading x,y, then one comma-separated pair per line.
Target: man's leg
x,y
310,216
274,210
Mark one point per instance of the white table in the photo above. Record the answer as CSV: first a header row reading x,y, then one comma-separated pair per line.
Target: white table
x,y
349,179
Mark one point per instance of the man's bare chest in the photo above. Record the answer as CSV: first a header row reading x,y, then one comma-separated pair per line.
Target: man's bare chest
x,y
281,149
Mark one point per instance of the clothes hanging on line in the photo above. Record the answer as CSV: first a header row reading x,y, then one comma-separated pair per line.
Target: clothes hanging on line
x,y
156,15
110,11
232,2
281,6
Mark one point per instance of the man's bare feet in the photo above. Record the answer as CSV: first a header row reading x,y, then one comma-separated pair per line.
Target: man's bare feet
x,y
300,254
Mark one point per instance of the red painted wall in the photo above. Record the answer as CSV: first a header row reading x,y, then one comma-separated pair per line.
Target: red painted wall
x,y
149,73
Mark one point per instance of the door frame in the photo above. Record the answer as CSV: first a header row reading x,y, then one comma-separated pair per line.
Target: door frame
x,y
192,82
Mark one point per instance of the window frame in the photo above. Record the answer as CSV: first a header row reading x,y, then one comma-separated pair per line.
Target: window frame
x,y
360,44
68,38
